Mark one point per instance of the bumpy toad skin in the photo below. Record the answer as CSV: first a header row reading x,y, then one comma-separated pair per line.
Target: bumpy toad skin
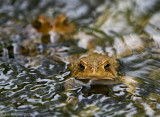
x,y
94,66
99,69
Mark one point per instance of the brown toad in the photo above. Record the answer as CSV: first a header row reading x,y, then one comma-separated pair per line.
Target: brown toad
x,y
58,24
94,67
98,69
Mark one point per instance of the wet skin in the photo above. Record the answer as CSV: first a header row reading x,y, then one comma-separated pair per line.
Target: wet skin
x,y
99,69
94,67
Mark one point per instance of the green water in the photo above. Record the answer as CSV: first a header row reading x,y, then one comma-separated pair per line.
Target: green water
x,y
32,83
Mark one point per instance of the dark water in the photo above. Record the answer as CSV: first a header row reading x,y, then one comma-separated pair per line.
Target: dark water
x,y
32,80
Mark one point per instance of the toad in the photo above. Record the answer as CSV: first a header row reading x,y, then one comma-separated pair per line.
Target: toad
x,y
99,69
58,24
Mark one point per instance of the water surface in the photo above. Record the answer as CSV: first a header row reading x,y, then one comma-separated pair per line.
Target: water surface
x,y
32,81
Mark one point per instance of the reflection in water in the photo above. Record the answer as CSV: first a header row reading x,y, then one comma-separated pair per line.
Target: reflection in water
x,y
33,69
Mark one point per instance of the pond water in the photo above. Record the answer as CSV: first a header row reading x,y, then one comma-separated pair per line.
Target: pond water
x,y
33,74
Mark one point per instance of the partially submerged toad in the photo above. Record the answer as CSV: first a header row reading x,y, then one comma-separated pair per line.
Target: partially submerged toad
x,y
58,24
94,66
98,69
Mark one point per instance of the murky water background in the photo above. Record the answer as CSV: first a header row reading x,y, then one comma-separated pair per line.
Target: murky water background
x,y
32,80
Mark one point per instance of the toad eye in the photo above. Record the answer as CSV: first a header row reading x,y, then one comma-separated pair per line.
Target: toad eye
x,y
37,24
81,66
106,66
